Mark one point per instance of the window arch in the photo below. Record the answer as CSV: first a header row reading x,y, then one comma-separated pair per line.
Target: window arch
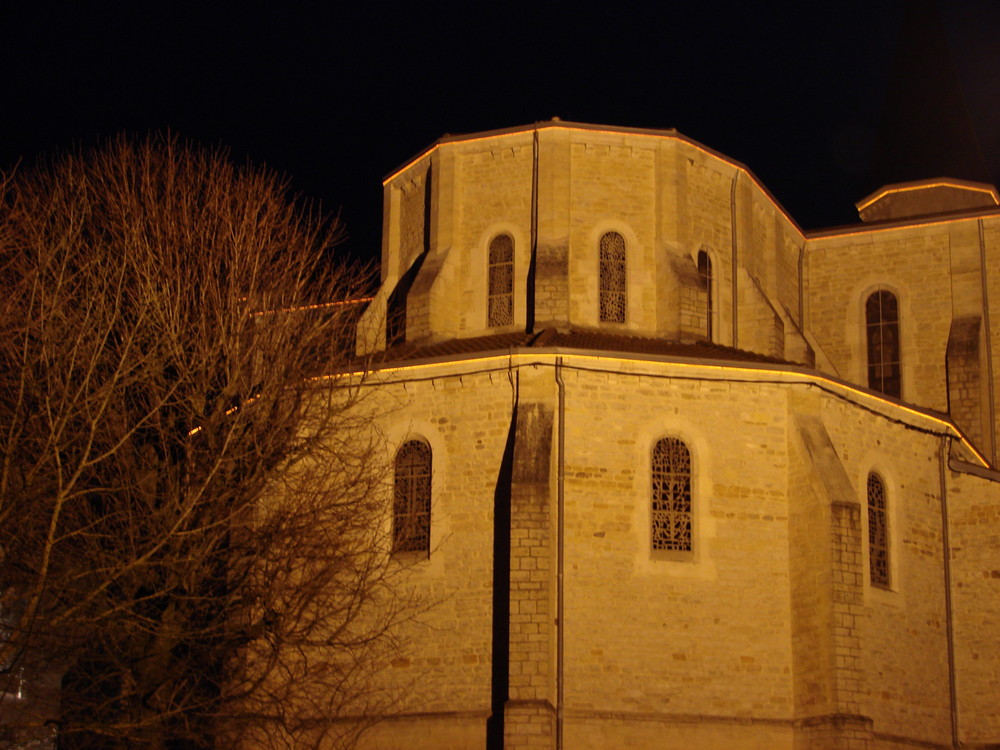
x,y
411,508
705,275
882,341
878,532
501,281
612,278
671,511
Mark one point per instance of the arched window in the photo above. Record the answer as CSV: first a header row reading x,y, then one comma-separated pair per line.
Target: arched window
x,y
411,509
705,274
882,335
878,532
612,278
501,281
671,511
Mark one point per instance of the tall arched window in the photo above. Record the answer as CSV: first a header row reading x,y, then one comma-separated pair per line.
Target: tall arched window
x,y
882,336
705,274
878,532
501,281
411,509
671,510
612,278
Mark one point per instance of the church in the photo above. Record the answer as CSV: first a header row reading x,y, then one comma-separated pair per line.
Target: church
x,y
676,473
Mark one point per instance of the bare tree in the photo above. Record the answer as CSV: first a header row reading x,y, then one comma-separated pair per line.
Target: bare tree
x,y
192,532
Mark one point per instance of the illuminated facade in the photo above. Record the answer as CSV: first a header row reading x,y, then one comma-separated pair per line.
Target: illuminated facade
x,y
676,473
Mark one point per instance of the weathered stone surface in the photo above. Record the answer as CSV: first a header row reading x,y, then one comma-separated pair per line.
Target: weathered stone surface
x,y
768,631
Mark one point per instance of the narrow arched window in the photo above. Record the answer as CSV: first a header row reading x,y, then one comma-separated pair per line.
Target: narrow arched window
x,y
878,532
671,511
882,335
501,281
612,278
705,275
411,509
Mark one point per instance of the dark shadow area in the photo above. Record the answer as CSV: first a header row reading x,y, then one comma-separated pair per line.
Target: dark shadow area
x,y
395,309
395,312
530,295
500,679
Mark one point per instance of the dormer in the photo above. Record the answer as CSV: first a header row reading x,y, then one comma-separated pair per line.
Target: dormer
x,y
941,195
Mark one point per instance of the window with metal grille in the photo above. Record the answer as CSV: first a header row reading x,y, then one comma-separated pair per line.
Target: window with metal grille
x,y
878,532
501,281
882,334
705,273
671,513
411,511
612,278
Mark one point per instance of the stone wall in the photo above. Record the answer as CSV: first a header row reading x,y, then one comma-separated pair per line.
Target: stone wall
x,y
914,263
974,515
442,675
768,632
667,197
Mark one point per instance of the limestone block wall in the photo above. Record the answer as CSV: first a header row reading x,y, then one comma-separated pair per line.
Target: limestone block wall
x,y
675,651
769,633
442,674
551,282
761,327
811,589
492,195
829,669
903,644
912,262
696,214
768,249
871,666
529,716
990,238
936,271
612,188
974,515
693,301
722,210
968,399
666,196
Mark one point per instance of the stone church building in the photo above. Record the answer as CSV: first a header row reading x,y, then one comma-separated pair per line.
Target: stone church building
x,y
676,473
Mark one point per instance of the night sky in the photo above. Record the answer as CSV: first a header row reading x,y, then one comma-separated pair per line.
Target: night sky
x,y
337,96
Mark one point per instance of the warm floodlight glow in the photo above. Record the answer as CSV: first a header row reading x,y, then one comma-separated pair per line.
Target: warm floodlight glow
x,y
923,186
557,125
894,226
318,306
853,393
231,410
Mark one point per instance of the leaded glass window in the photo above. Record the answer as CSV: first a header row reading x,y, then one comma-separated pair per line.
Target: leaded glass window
x,y
671,513
411,512
882,334
501,281
878,532
612,278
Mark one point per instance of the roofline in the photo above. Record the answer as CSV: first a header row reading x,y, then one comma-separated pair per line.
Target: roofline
x,y
931,182
965,467
557,124
830,383
892,224
806,235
